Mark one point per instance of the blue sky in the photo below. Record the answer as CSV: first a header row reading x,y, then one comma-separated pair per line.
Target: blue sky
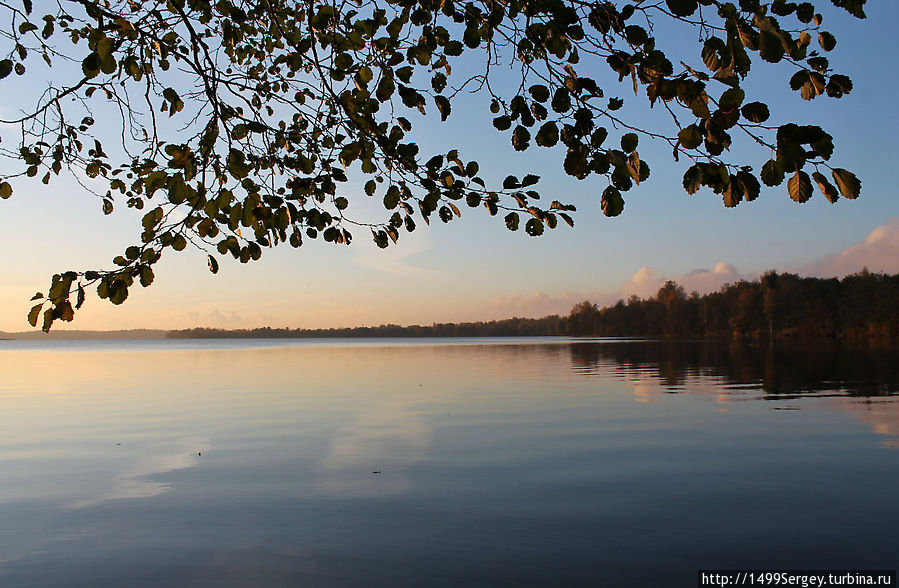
x,y
473,268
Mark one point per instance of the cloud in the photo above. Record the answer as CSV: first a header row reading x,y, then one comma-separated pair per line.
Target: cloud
x,y
879,252
646,281
396,258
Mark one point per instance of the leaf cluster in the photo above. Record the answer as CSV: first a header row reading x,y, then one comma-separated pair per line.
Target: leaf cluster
x,y
245,125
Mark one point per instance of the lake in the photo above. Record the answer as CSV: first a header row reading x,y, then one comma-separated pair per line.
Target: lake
x,y
442,462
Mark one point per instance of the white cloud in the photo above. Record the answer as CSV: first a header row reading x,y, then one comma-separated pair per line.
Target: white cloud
x,y
879,252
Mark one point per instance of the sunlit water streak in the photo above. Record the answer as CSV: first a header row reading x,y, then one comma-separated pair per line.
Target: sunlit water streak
x,y
500,462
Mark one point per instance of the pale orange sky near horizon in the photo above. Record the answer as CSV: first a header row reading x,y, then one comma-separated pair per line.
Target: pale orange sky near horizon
x,y
210,304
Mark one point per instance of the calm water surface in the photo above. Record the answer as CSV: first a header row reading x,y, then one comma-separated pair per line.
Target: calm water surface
x,y
500,462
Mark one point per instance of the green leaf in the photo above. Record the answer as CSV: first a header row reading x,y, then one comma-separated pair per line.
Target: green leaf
x,y
799,187
5,190
612,202
849,185
5,68
179,242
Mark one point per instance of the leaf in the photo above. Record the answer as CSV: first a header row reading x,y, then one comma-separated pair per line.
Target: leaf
x,y
772,173
635,167
529,180
826,187
755,112
548,135
612,203
692,179
770,47
690,137
34,313
5,68
213,264
91,66
385,89
443,106
502,123
534,227
682,8
5,190
575,164
731,98
512,221
849,185
146,275
66,312
731,195
799,187
539,92
827,41
629,142
521,138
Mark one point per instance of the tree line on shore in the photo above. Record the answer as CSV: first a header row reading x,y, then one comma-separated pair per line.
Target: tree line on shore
x,y
776,306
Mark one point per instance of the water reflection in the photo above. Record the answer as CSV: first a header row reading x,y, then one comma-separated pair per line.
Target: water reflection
x,y
858,379
141,479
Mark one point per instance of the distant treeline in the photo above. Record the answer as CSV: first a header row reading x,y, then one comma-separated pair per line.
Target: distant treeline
x,y
777,306
513,327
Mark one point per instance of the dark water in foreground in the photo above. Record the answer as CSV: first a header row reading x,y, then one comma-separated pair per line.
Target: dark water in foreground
x,y
502,462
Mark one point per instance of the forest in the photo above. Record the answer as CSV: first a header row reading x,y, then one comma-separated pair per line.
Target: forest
x,y
776,306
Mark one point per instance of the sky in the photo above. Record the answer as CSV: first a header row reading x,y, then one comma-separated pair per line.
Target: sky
x,y
475,269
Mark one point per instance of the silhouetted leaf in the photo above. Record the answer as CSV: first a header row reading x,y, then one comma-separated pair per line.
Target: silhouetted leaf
x,y
800,187
612,202
849,185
